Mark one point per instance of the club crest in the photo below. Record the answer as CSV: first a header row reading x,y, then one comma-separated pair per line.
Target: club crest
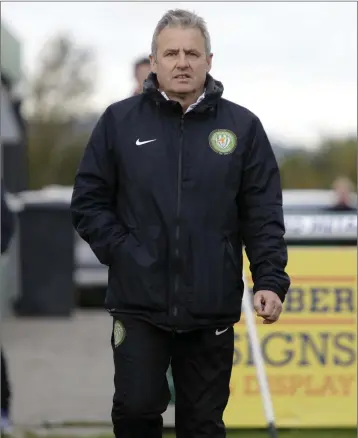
x,y
119,333
222,141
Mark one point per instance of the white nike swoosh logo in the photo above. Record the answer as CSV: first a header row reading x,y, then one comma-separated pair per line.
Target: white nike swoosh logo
x,y
139,143
220,332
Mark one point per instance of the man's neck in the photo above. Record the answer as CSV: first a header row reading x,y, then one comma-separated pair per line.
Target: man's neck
x,y
186,99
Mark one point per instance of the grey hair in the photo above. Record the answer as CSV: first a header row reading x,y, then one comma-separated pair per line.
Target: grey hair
x,y
184,19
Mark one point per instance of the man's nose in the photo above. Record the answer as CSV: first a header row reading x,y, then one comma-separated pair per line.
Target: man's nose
x,y
182,61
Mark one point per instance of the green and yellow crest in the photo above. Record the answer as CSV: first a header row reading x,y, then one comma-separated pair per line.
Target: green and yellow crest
x,y
222,141
119,333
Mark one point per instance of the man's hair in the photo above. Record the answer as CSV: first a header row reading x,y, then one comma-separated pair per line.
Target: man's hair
x,y
140,62
184,19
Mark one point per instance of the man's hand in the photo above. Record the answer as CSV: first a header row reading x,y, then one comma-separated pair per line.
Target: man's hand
x,y
267,305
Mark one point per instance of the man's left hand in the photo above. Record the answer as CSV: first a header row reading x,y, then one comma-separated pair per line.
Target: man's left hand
x,y
267,305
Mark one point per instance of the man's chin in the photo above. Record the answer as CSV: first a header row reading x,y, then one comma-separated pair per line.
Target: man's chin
x,y
183,89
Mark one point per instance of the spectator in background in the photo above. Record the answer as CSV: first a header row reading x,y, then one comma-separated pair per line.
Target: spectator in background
x,y
141,72
343,188
7,231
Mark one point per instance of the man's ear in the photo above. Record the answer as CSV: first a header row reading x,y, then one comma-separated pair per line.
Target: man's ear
x,y
209,60
153,64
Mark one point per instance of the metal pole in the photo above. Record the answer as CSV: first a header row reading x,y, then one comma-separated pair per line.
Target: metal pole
x,y
258,361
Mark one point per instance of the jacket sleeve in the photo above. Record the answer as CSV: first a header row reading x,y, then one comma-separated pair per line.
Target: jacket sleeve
x,y
93,199
7,222
261,216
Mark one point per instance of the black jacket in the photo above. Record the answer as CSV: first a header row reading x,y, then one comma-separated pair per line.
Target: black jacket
x,y
168,210
7,222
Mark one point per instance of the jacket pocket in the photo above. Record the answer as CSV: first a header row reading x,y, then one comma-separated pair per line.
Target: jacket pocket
x,y
207,256
217,288
231,253
232,278
136,277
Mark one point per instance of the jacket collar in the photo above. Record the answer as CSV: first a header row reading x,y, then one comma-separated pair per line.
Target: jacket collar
x,y
193,105
213,92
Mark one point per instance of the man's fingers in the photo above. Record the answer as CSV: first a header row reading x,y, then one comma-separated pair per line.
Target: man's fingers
x,y
267,309
270,319
278,311
258,305
267,306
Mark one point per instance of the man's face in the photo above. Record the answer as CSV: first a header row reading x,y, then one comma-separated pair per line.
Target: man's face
x,y
141,74
181,62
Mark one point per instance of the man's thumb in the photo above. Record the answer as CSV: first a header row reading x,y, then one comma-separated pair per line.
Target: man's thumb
x,y
257,302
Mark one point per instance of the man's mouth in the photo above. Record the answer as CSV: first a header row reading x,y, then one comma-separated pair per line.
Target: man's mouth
x,y
182,76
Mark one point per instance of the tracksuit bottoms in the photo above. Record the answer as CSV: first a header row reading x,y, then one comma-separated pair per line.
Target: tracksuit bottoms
x,y
201,363
5,386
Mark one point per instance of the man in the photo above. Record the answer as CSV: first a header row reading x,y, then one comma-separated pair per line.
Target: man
x,y
141,72
7,231
171,184
343,189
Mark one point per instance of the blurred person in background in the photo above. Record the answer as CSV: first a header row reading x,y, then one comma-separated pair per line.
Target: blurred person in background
x,y
172,184
7,231
343,189
141,72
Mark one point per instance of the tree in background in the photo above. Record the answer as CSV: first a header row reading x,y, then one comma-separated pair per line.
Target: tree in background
x,y
319,168
59,94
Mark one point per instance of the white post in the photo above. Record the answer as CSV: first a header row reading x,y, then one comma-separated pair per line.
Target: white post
x,y
258,359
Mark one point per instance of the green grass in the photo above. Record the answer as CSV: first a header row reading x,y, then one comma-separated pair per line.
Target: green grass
x,y
245,433
289,434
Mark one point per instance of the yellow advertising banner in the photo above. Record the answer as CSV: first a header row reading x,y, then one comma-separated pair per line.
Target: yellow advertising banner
x,y
310,354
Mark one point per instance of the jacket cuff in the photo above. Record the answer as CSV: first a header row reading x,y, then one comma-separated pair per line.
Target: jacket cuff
x,y
272,288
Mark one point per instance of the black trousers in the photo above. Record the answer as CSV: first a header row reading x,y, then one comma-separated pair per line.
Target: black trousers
x,y
5,385
201,364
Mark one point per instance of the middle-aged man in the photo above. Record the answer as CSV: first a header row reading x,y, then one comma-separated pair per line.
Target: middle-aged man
x,y
172,184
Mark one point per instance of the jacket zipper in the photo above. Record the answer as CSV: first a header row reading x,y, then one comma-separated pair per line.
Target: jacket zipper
x,y
177,227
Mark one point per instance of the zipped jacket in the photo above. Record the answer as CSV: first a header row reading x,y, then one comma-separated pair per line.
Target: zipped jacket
x,y
168,199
